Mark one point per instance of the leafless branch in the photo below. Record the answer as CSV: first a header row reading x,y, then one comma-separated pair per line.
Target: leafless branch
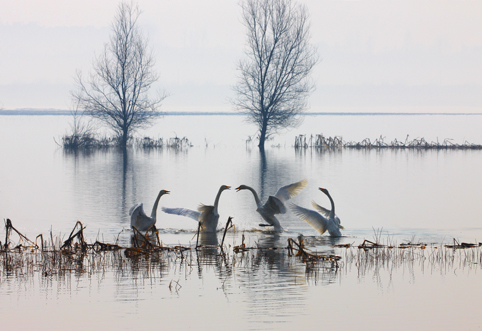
x,y
117,91
274,79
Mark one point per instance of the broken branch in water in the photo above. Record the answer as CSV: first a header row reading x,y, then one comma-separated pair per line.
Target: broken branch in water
x,y
306,256
79,234
8,228
463,245
229,225
367,244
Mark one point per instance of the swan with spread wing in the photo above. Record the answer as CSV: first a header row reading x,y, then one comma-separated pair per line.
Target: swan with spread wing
x,y
275,204
139,219
207,216
321,220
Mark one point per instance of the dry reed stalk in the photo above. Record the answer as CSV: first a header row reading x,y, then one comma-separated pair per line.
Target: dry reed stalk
x,y
320,142
229,225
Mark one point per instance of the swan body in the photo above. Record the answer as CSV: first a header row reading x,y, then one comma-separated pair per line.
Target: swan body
x,y
139,219
321,220
207,216
275,204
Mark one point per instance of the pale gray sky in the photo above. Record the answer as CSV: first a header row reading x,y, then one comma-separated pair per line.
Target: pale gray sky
x,y
375,55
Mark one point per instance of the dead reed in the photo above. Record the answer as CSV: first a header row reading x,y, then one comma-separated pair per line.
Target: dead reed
x,y
90,141
319,141
150,143
147,257
373,256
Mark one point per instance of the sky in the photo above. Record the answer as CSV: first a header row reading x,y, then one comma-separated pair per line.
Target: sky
x,y
375,56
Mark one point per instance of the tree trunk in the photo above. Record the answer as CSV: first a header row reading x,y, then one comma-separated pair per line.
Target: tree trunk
x,y
125,137
262,136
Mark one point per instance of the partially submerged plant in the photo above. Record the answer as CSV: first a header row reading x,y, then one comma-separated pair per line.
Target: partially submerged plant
x,y
321,142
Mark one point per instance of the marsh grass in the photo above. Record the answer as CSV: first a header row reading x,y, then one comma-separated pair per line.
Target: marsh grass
x,y
319,141
148,258
88,140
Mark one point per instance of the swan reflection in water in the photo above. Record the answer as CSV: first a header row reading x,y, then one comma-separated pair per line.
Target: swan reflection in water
x,y
321,220
275,204
207,216
208,239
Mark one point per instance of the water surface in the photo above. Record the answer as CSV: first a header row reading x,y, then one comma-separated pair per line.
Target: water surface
x,y
406,195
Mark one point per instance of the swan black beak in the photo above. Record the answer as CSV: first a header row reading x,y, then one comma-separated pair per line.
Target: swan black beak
x,y
238,188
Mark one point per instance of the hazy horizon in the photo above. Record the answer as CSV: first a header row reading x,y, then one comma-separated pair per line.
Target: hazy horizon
x,y
376,56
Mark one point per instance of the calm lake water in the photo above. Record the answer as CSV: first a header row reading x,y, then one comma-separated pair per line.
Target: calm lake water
x,y
399,196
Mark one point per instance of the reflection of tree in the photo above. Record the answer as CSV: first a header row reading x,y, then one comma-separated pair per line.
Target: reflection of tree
x,y
103,186
263,169
273,173
125,165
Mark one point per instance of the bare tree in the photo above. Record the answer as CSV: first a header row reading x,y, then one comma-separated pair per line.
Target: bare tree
x,y
274,79
117,91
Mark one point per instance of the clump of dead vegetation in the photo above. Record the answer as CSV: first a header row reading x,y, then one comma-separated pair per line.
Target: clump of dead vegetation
x,y
148,257
150,143
373,256
87,141
319,141
90,141
306,255
83,136
20,256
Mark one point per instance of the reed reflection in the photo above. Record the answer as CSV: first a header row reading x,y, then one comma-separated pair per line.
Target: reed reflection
x,y
266,271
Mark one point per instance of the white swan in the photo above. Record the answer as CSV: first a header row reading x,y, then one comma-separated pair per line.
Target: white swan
x,y
207,216
326,221
139,219
275,204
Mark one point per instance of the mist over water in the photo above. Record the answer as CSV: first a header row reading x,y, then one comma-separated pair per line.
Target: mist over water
x,y
426,196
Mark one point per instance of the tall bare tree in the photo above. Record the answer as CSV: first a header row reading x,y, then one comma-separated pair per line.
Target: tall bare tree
x,y
274,79
117,91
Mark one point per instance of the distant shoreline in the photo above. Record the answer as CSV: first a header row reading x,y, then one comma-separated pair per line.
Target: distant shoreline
x,y
48,112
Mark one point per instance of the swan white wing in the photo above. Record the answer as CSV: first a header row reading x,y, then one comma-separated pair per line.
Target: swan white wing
x,y
137,210
317,221
287,192
139,219
325,212
275,205
137,213
182,212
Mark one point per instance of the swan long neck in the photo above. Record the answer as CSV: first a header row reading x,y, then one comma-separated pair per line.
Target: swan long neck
x,y
156,203
256,198
332,212
216,201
